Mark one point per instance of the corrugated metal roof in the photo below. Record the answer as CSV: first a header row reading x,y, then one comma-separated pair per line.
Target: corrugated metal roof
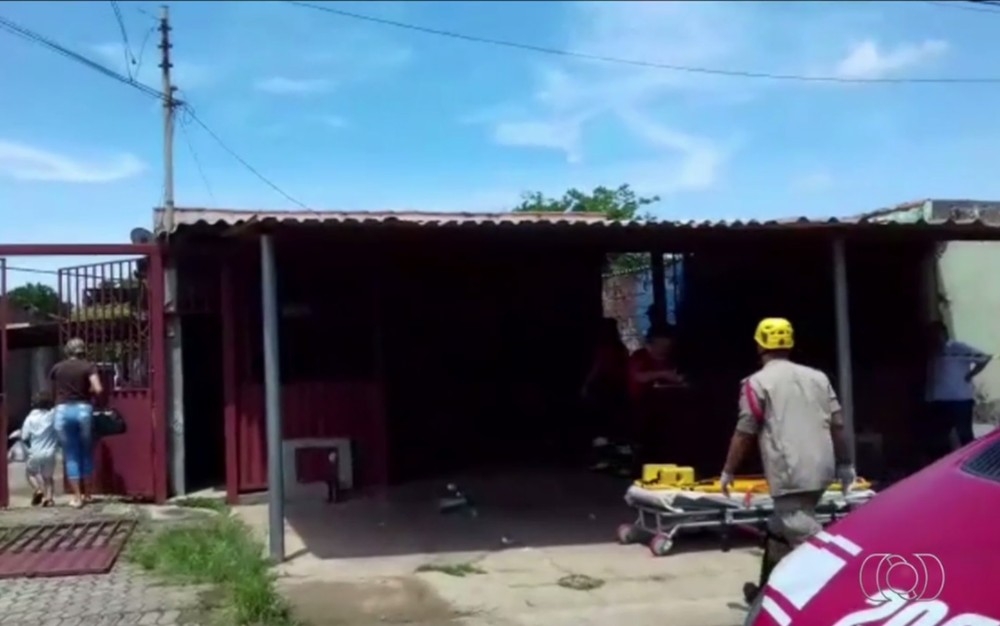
x,y
228,217
904,215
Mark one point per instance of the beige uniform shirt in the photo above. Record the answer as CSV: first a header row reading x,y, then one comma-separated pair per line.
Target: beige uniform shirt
x,y
797,404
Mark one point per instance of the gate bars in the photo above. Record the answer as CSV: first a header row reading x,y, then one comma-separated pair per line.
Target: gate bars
x,y
108,307
118,308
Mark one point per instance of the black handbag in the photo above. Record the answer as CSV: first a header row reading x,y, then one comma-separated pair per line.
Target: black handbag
x,y
109,422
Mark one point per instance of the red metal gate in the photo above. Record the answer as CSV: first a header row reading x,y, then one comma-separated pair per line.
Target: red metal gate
x,y
116,307
4,479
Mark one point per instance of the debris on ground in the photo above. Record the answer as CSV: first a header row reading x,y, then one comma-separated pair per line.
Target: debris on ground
x,y
457,501
458,570
580,582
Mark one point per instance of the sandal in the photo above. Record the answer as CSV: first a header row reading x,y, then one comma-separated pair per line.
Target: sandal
x,y
76,504
36,498
48,503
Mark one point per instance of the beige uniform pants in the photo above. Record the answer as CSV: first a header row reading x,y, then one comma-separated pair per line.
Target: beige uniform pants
x,y
794,521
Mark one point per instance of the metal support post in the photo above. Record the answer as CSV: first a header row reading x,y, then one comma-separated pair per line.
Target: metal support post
x,y
843,320
272,401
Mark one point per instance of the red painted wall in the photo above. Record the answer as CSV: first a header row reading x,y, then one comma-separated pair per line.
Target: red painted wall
x,y
314,409
315,404
122,463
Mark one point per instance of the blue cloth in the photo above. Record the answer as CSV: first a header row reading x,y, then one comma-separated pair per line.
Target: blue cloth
x,y
949,371
74,424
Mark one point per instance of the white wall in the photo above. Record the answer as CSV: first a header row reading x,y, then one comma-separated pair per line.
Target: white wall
x,y
970,279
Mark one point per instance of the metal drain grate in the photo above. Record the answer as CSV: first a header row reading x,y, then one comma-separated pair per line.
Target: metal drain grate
x,y
986,464
86,547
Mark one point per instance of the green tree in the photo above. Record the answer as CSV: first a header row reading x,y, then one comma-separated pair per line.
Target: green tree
x,y
617,204
37,298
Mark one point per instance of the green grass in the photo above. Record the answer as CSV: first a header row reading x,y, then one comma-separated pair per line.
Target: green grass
x,y
458,570
220,552
211,504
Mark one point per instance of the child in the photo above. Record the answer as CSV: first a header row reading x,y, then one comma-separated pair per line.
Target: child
x,y
39,434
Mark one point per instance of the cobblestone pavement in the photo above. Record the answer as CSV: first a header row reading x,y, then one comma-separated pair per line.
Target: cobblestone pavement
x,y
124,597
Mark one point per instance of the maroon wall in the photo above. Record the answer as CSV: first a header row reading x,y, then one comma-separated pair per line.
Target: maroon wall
x,y
350,410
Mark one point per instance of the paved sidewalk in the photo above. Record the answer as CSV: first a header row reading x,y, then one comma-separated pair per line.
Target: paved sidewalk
x,y
124,597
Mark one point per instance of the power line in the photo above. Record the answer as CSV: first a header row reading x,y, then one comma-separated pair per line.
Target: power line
x,y
142,51
962,7
29,270
194,156
633,62
66,271
29,35
136,59
222,144
126,47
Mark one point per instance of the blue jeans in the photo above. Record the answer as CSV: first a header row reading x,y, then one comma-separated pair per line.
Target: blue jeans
x,y
74,421
943,417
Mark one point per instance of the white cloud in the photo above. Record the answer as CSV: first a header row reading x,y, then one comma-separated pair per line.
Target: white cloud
x,y
284,86
812,182
696,160
295,125
588,110
185,75
363,56
867,60
561,135
573,96
23,162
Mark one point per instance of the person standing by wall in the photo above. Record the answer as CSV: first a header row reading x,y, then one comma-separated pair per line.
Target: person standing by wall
x,y
604,388
655,386
950,392
75,385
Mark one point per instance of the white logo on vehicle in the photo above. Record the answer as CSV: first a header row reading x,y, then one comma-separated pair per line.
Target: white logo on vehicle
x,y
898,610
919,577
898,591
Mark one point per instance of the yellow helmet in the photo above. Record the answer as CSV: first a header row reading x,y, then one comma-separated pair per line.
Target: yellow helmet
x,y
774,333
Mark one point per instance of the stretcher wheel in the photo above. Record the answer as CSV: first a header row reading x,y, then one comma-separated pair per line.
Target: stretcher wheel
x,y
660,545
627,534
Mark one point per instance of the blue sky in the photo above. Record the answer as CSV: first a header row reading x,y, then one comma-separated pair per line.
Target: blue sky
x,y
357,116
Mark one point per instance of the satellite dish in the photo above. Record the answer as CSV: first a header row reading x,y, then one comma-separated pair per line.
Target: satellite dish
x,y
140,235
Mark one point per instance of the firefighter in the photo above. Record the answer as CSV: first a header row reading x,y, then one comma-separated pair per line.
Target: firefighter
x,y
793,413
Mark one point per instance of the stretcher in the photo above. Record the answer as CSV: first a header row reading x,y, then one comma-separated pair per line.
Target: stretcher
x,y
669,501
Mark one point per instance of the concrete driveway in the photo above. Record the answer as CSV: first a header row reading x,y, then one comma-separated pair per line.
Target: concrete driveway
x,y
523,587
396,559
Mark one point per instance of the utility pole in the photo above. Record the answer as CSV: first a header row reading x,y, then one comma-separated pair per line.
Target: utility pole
x,y
168,120
175,371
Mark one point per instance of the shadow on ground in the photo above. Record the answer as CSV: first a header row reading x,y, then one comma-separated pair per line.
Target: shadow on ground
x,y
537,509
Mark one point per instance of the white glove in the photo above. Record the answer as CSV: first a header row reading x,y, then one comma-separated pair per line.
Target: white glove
x,y
847,477
726,481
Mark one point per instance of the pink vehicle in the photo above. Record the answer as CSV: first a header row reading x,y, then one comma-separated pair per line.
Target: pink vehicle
x,y
925,552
